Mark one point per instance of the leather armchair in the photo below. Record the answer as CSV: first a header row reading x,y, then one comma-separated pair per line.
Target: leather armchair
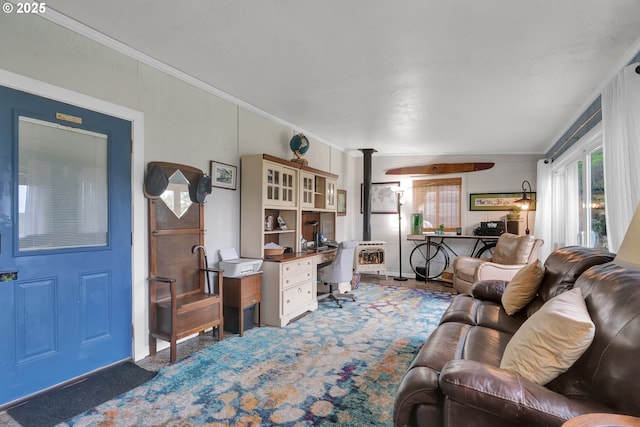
x,y
511,253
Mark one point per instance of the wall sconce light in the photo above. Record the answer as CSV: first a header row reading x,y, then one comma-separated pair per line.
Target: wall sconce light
x,y
399,192
525,202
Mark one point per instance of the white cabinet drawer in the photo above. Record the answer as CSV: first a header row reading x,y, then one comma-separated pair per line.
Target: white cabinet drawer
x,y
297,278
296,297
292,268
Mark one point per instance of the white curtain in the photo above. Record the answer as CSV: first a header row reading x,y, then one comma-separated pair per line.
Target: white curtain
x,y
544,210
621,136
573,207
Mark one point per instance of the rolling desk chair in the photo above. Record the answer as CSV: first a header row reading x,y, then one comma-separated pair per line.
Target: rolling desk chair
x,y
339,271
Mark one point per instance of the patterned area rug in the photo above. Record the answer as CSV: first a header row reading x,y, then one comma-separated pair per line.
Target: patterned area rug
x,y
333,366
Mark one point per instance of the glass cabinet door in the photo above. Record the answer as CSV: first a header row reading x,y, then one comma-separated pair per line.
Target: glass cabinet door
x,y
273,183
288,186
280,185
306,190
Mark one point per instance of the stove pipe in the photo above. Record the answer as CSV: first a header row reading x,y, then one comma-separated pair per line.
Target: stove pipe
x,y
366,194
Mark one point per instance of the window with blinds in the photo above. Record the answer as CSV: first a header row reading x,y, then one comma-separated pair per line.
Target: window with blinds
x,y
439,201
63,187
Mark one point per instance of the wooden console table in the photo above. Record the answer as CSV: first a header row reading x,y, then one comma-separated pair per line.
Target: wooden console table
x,y
242,292
431,256
602,420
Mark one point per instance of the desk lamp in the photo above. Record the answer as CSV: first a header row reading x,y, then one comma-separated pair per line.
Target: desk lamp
x,y
399,191
316,235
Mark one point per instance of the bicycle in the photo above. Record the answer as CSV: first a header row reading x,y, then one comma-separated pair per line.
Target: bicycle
x,y
430,259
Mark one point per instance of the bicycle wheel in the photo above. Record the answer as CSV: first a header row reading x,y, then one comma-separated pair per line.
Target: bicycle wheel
x,y
486,251
438,260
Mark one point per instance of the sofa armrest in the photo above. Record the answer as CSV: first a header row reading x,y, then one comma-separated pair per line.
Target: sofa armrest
x,y
507,394
488,290
493,271
417,388
463,261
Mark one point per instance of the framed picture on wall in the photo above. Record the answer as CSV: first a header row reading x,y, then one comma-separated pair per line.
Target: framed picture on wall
x,y
383,198
223,175
498,201
342,202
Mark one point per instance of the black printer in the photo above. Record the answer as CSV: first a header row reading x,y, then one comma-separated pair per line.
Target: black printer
x,y
490,228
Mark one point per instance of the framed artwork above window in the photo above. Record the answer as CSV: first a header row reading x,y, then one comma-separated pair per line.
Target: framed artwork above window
x,y
498,201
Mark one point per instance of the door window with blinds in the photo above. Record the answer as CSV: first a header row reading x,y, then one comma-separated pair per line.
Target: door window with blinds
x,y
439,202
62,187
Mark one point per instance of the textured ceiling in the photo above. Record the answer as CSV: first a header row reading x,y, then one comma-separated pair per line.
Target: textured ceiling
x,y
402,77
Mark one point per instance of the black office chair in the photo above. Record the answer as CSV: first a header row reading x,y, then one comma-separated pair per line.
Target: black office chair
x,y
339,271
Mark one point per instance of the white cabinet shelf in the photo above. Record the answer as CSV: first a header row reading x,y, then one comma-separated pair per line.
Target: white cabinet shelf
x,y
279,232
272,188
301,196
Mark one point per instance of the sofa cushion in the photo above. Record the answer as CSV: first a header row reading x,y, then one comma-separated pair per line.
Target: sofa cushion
x,y
485,345
565,265
488,290
551,340
474,389
492,315
475,312
523,287
462,309
513,249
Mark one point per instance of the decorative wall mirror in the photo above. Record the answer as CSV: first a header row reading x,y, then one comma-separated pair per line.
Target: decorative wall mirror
x,y
176,196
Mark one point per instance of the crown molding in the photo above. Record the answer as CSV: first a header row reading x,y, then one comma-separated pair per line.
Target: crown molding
x,y
101,38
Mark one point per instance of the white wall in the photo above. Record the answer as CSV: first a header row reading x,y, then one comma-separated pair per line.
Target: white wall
x,y
179,122
505,177
173,121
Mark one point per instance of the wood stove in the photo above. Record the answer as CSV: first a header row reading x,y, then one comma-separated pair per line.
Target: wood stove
x,y
370,257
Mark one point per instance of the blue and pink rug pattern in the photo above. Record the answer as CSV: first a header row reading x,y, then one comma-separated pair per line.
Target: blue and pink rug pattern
x,y
331,367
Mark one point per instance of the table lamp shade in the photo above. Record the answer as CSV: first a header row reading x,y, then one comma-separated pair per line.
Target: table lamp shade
x,y
629,253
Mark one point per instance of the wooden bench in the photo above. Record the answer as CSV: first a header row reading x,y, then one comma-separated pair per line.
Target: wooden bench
x,y
179,303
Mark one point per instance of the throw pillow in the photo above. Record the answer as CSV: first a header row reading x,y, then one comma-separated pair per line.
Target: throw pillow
x,y
522,287
512,249
551,340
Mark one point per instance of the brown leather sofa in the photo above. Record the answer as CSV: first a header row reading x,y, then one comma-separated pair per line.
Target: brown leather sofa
x,y
456,380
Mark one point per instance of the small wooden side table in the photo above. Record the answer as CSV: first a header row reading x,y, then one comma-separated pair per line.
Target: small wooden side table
x,y
602,420
242,292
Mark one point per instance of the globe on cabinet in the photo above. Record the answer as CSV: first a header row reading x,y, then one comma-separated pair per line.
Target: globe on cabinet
x,y
299,144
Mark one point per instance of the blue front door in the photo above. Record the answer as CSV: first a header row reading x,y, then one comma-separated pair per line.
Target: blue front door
x,y
65,242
